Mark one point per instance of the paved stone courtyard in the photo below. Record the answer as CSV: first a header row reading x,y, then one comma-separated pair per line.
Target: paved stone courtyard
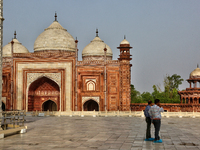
x,y
104,133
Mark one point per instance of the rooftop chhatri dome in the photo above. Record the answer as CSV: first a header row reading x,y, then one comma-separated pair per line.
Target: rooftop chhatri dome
x,y
195,73
96,48
55,37
125,41
17,48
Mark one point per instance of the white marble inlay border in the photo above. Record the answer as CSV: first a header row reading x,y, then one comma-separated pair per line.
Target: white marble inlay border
x,y
43,65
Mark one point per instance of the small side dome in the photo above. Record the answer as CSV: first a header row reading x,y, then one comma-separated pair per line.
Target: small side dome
x,y
95,50
17,48
55,37
195,73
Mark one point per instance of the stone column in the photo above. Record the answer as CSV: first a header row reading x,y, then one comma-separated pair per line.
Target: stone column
x,y
1,43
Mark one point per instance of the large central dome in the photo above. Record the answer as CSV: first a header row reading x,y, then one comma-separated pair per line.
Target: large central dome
x,y
55,37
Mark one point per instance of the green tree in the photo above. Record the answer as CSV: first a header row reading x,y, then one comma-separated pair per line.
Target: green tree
x,y
169,95
146,96
135,95
171,85
158,94
171,82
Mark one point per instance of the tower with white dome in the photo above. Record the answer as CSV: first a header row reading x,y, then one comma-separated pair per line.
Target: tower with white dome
x,y
125,74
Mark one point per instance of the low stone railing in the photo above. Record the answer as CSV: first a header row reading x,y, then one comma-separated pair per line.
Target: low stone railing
x,y
12,122
12,119
109,113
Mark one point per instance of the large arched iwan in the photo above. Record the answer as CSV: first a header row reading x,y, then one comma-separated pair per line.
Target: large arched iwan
x,y
41,90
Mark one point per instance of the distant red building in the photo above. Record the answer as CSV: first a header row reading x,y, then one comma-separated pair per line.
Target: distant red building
x,y
192,94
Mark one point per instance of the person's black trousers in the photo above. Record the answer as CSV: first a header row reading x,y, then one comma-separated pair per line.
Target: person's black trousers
x,y
148,131
157,124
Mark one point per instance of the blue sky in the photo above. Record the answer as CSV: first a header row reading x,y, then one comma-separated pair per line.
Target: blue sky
x,y
164,34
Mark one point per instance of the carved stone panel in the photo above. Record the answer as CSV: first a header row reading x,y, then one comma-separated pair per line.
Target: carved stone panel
x,y
56,77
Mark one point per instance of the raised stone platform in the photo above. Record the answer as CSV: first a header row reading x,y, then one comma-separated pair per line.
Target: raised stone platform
x,y
104,133
5,133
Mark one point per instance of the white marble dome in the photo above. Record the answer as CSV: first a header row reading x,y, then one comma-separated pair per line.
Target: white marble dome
x,y
96,48
17,48
195,73
55,37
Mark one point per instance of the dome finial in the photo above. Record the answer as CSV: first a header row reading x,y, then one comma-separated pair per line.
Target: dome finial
x,y
197,65
15,35
55,16
97,33
124,36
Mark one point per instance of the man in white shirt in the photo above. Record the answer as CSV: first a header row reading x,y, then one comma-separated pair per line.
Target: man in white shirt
x,y
155,113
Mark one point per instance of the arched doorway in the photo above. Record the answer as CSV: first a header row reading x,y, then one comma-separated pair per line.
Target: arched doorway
x,y
42,90
3,106
91,105
49,105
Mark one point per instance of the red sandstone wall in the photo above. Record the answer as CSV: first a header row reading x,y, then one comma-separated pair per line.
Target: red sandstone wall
x,y
168,107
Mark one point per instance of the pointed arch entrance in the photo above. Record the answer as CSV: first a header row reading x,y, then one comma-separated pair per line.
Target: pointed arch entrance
x,y
91,105
49,105
42,95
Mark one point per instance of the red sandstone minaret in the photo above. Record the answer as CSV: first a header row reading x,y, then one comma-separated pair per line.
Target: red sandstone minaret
x,y
124,50
125,75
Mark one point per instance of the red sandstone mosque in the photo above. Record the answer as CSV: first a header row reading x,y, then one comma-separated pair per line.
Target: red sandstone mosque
x,y
51,78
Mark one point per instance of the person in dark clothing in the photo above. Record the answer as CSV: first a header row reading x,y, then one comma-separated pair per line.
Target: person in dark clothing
x,y
148,121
